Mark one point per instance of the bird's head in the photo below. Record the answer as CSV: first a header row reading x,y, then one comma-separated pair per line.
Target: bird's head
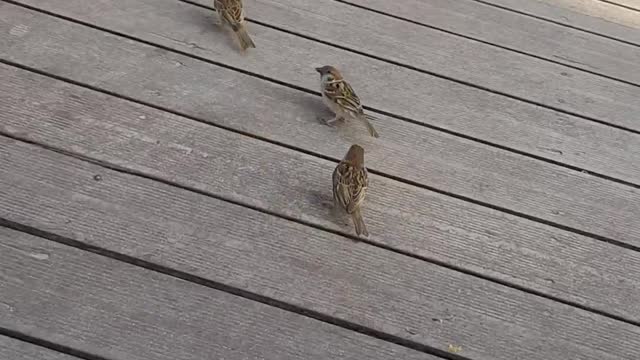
x,y
329,72
355,155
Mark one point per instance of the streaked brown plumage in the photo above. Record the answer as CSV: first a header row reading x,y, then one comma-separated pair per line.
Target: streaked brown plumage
x,y
231,12
340,97
350,183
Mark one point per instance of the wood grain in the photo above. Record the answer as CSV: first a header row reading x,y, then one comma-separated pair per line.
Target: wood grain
x,y
123,312
521,33
231,166
275,179
271,111
455,107
628,4
633,5
12,349
593,16
461,59
280,259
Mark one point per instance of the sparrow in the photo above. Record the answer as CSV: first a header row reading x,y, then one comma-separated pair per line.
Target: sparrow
x,y
350,183
339,96
231,12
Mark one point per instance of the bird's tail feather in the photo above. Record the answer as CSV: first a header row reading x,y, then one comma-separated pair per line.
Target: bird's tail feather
x,y
243,37
358,222
370,127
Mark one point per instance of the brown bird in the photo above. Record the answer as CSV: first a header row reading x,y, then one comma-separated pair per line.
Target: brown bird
x,y
231,12
350,183
340,97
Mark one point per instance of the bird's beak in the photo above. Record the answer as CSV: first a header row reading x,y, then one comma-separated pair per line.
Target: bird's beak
x,y
319,70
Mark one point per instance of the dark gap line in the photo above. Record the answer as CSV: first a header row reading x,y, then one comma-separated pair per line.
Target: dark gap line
x,y
246,294
163,47
393,249
164,109
427,72
521,52
516,151
619,5
17,335
299,88
209,123
462,82
557,22
295,87
335,160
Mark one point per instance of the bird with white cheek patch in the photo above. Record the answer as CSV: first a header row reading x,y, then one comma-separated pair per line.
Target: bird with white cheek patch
x,y
340,97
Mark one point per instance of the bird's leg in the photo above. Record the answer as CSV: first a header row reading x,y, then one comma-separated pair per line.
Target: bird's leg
x,y
333,120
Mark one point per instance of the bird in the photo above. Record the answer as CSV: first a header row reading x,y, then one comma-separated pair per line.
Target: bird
x,y
231,12
350,184
341,99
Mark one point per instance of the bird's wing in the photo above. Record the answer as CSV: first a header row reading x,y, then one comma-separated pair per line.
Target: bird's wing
x,y
230,10
341,189
359,186
343,94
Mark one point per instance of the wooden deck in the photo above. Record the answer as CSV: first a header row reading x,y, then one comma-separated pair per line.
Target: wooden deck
x,y
165,197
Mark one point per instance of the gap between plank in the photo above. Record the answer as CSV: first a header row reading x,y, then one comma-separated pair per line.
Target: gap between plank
x,y
462,82
521,52
557,22
299,88
123,170
348,325
410,67
310,153
619,5
49,345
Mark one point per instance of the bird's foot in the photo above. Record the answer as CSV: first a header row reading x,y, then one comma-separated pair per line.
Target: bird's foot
x,y
332,121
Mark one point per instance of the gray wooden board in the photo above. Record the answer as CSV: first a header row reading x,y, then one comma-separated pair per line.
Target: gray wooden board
x,y
12,349
473,112
633,5
408,151
232,166
630,4
612,10
290,262
427,49
123,312
514,250
588,15
522,33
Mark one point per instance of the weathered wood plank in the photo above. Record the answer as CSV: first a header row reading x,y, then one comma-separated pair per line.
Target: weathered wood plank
x,y
123,312
499,70
12,349
287,261
476,113
521,33
407,151
627,4
487,242
588,15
